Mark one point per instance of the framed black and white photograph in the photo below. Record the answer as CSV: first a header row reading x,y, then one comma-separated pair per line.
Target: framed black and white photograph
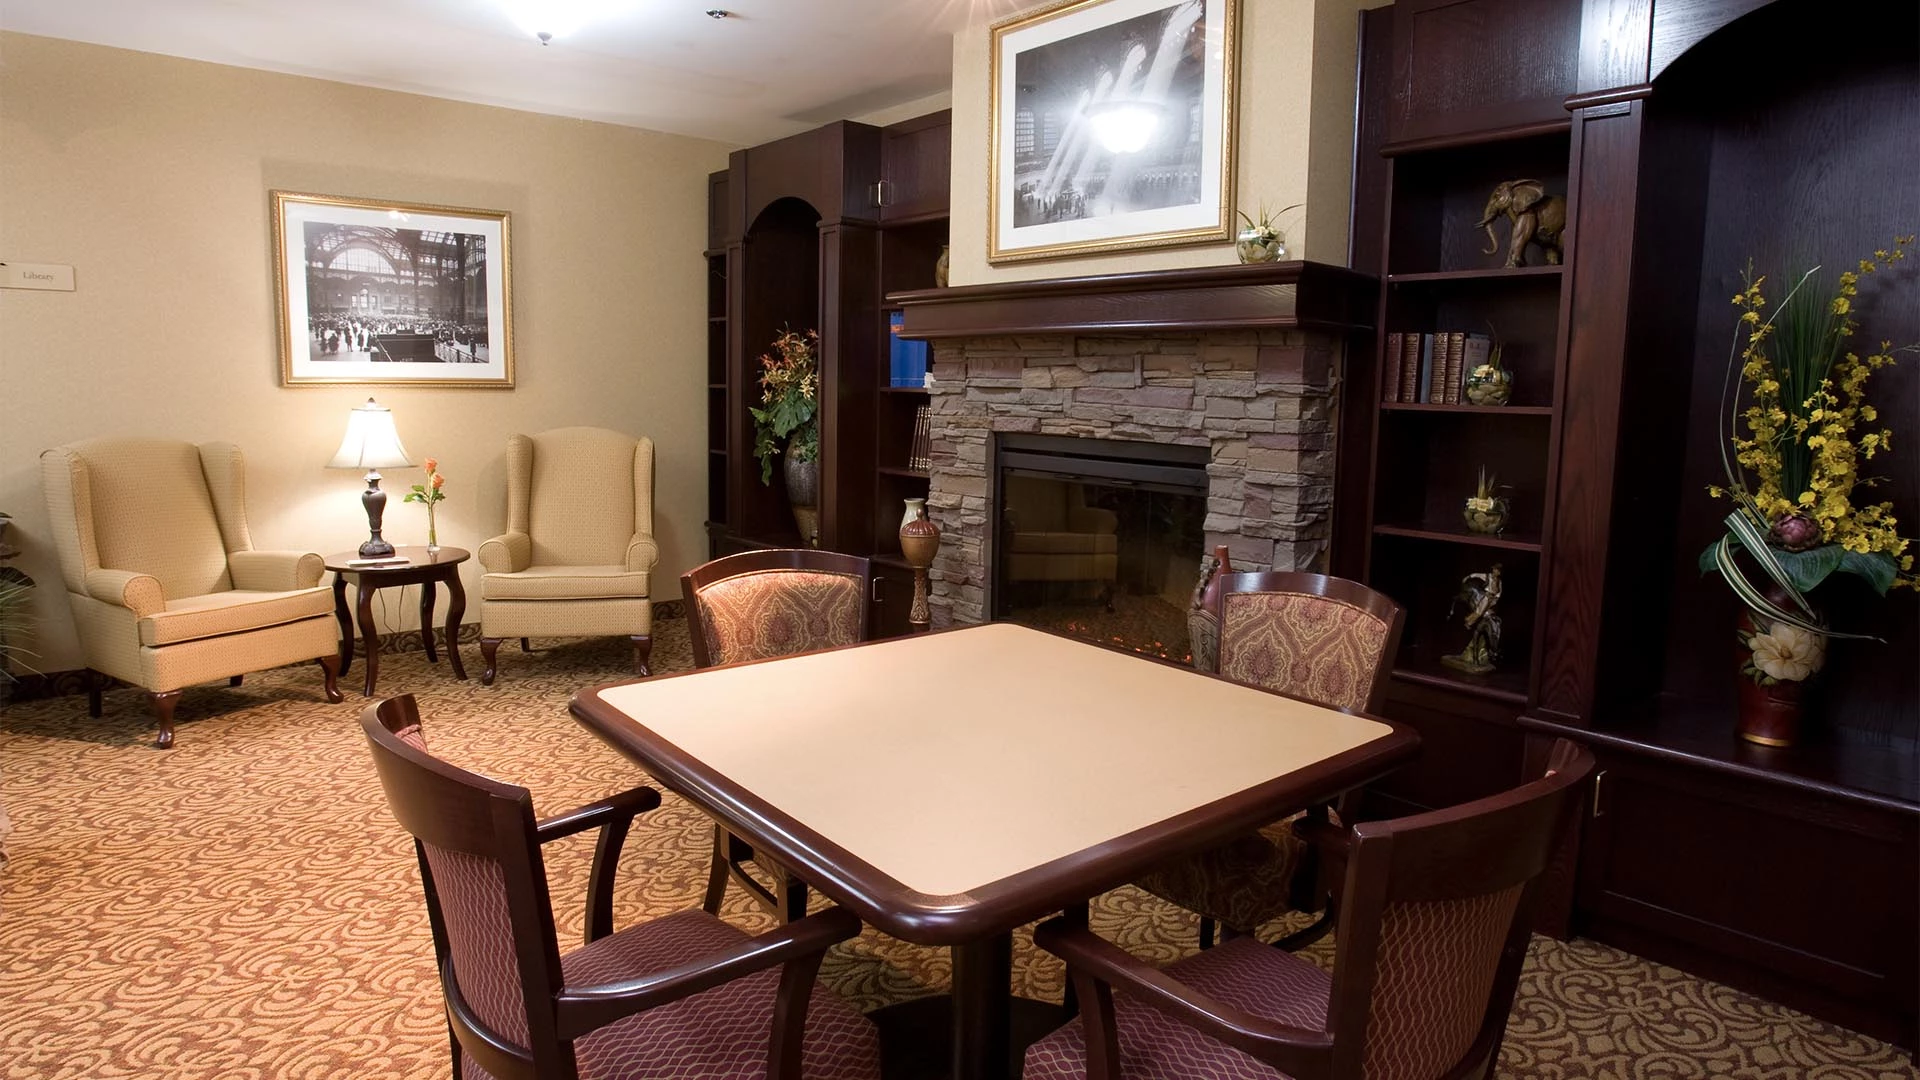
x,y
1112,127
376,292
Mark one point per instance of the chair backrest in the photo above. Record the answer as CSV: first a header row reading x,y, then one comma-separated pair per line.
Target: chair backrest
x,y
761,604
579,493
161,507
1325,639
1435,916
486,888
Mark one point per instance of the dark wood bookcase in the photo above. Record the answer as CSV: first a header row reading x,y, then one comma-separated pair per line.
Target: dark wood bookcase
x,y
1690,137
815,230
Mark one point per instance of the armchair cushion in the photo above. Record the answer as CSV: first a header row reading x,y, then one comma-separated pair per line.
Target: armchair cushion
x,y
130,589
194,617
508,553
720,1032
1265,981
275,571
565,583
642,552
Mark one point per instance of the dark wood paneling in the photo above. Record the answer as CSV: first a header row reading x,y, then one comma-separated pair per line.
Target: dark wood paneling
x,y
1475,66
1739,883
1288,294
718,212
1679,25
916,163
850,381
1468,750
1367,233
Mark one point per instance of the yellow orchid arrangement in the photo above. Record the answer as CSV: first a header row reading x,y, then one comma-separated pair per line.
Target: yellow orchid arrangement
x,y
1805,407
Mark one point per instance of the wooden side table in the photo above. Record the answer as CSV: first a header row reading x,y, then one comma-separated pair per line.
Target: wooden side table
x,y
422,567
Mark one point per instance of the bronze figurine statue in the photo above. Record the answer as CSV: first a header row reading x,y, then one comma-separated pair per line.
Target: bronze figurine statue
x,y
1534,216
1481,594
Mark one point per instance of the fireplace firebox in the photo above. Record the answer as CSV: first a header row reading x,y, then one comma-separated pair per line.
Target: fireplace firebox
x,y
1098,538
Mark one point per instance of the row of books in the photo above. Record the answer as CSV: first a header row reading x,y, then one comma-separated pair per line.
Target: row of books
x,y
907,360
1432,369
920,451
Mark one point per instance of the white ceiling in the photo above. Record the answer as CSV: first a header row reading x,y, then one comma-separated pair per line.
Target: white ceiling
x,y
773,68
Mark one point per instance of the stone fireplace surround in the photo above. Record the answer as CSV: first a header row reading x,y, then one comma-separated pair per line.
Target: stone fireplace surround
x,y
1242,360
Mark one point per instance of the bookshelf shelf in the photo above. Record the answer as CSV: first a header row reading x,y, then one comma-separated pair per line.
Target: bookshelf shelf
x,y
1508,687
1504,541
1492,274
1478,410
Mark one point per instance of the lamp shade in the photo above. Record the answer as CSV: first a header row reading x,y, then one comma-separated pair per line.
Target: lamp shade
x,y
372,442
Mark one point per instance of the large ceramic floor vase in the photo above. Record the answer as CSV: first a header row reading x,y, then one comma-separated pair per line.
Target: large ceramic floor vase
x,y
803,494
1777,663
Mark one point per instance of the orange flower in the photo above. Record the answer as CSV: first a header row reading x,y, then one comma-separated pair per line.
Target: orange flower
x,y
430,465
436,480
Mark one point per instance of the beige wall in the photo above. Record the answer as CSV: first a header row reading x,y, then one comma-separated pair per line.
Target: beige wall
x,y
150,175
1295,143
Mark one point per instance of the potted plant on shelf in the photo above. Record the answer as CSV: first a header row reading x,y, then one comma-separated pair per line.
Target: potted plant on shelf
x,y
788,421
1800,397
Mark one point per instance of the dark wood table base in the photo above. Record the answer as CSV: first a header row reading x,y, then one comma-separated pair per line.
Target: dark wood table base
x,y
918,1038
425,570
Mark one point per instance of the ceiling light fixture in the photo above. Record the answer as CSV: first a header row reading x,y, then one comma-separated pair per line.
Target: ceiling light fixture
x,y
549,19
718,13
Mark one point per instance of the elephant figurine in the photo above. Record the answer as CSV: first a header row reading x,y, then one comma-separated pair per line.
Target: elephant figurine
x,y
1535,217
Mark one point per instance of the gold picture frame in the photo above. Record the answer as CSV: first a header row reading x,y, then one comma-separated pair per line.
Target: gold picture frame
x,y
1111,127
374,292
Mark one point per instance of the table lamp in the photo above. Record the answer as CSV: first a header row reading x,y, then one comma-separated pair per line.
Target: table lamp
x,y
372,444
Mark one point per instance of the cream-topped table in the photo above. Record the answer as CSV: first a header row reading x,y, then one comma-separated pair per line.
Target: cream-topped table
x,y
950,787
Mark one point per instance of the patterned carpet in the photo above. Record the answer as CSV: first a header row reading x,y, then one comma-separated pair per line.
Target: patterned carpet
x,y
242,906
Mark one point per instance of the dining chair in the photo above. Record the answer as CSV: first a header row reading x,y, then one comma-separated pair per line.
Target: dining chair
x,y
1436,914
681,996
1323,639
760,605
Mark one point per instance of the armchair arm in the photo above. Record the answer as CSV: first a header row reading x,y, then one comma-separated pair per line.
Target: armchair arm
x,y
508,553
642,552
275,571
130,589
1092,519
584,1008
1299,1052
613,816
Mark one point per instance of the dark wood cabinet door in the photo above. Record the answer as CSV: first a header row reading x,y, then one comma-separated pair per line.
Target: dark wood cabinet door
x,y
916,157
892,601
719,211
1476,66
1809,900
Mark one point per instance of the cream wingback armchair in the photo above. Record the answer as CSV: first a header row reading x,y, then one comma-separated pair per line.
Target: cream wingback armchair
x,y
166,588
579,544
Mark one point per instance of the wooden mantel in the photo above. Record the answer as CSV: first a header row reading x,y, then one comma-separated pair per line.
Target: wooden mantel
x,y
1283,295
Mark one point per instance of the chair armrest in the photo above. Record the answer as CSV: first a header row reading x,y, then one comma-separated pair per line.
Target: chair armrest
x,y
622,807
1299,1052
275,571
613,816
508,553
584,1008
1092,519
642,552
130,589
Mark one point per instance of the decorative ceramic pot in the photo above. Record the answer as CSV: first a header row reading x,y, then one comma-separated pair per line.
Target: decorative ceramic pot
x,y
1490,386
919,544
1258,245
916,509
1777,662
1487,516
803,494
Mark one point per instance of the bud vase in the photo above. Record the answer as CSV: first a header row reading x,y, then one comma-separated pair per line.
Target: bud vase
x,y
433,536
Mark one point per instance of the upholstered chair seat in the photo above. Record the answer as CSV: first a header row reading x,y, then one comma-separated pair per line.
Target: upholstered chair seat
x,y
760,605
1321,639
166,588
686,995
579,550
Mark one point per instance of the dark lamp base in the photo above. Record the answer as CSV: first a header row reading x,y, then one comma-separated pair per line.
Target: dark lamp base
x,y
375,549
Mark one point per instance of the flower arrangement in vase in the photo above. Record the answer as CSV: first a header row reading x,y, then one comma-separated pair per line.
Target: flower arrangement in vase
x,y
429,493
1261,241
1485,511
1490,383
788,421
1800,397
